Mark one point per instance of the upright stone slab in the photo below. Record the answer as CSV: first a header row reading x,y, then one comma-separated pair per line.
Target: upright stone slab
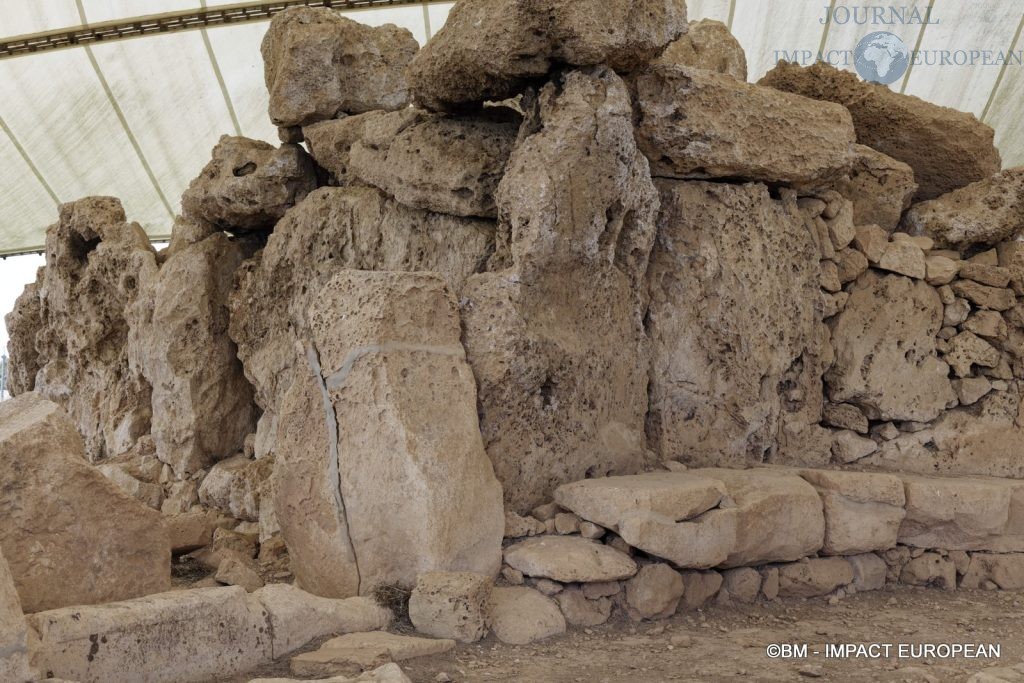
x,y
693,123
556,340
70,535
13,631
380,440
946,148
736,341
202,404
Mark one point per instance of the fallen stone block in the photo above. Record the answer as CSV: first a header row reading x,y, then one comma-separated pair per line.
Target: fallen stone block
x,y
248,185
946,148
708,45
14,655
451,605
365,507
320,65
1004,570
70,536
520,616
608,500
569,559
780,515
986,212
862,510
490,50
354,652
814,577
880,187
693,123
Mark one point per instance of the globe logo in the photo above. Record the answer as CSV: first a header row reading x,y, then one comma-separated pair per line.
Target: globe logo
x,y
881,57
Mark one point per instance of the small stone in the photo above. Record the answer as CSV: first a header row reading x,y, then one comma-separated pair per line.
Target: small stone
x,y
234,572
872,241
840,223
904,258
956,312
546,511
567,523
833,304
548,587
699,587
581,611
988,324
770,583
967,349
848,447
601,589
989,257
654,592
591,530
845,416
922,241
742,585
869,571
946,295
814,577
995,298
569,559
993,276
517,526
355,651
851,263
513,576
451,605
969,390
828,277
888,431
940,270
930,569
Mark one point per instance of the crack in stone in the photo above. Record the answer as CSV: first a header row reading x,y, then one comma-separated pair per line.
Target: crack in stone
x,y
337,379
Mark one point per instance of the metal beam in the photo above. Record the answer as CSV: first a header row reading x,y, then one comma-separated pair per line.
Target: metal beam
x,y
189,20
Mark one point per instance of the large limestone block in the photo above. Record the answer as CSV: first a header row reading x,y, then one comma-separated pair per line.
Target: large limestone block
x,y
202,404
946,148
780,516
708,45
489,49
885,360
963,513
70,535
880,187
23,323
96,264
569,559
319,65
248,184
862,510
392,456
428,161
334,228
556,340
986,212
608,500
14,665
693,123
731,328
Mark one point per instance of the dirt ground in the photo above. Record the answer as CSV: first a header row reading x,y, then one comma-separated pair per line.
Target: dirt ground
x,y
730,644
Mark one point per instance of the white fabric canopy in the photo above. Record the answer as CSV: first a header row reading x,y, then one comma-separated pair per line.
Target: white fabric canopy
x,y
137,118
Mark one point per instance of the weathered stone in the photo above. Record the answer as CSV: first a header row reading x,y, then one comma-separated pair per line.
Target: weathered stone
x,y
872,241
930,569
578,610
994,276
520,616
769,582
569,559
731,323
14,665
708,45
868,572
451,605
202,404
234,572
940,270
780,516
609,500
904,258
567,523
966,350
955,514
985,212
60,546
946,148
548,587
845,416
693,123
1004,570
879,186
922,242
95,265
489,50
828,276
233,486
848,447
226,543
955,313
851,263
149,494
388,673
740,585
248,184
556,340
969,390
863,510
699,587
517,526
885,359
335,228
193,530
994,298
353,652
700,542
23,323
318,65
384,350
444,164
330,143
813,577
654,592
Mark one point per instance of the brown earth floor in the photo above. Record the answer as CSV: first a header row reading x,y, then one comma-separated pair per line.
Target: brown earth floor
x,y
729,644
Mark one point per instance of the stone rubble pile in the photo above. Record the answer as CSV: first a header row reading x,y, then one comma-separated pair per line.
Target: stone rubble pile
x,y
462,334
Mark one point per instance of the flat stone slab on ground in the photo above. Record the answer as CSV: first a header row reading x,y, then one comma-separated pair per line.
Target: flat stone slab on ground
x,y
355,651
